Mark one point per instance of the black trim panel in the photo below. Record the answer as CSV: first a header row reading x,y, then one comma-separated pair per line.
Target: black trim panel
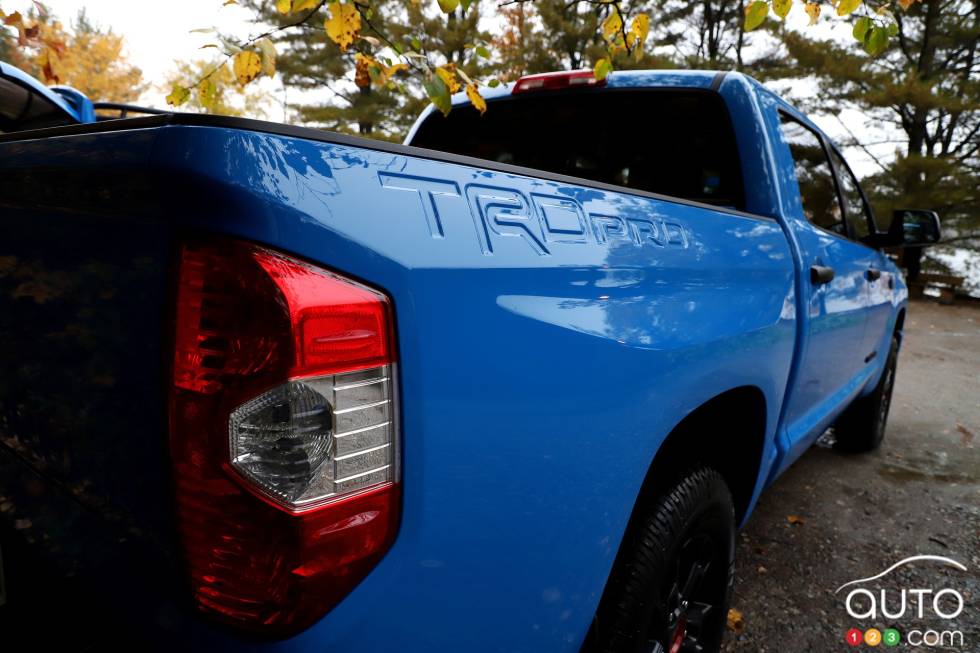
x,y
717,80
309,133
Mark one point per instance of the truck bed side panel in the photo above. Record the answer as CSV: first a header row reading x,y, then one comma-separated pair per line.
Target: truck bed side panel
x,y
550,336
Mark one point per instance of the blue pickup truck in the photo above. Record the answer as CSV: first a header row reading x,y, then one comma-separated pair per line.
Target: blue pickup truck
x,y
511,386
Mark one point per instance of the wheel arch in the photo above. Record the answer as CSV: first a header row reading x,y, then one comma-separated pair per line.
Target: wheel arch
x,y
900,325
726,433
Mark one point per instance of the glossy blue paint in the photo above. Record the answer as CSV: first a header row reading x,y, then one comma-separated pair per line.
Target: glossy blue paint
x,y
510,443
551,334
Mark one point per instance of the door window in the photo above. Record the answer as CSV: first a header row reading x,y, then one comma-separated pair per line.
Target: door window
x,y
859,219
818,191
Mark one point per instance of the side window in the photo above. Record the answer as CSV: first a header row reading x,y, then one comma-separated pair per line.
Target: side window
x,y
858,216
818,191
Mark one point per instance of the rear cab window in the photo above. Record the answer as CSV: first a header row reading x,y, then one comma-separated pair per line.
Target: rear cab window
x,y
678,143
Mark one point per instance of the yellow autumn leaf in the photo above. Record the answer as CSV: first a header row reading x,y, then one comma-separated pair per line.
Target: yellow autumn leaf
x,y
612,26
362,72
447,74
247,66
795,520
602,68
735,621
178,95
474,95
207,94
639,29
812,10
303,5
393,69
284,6
845,7
781,7
905,4
343,25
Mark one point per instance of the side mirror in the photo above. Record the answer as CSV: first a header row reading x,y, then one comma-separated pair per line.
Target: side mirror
x,y
913,228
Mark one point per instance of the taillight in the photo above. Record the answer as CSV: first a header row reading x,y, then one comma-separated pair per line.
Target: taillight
x,y
556,81
283,433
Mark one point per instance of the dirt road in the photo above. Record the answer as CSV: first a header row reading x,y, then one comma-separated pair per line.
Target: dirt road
x,y
859,514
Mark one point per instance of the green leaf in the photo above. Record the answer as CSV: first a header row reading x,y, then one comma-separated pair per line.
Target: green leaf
x,y
438,93
448,6
861,27
877,40
892,29
755,14
602,68
493,83
846,7
465,4
781,7
482,52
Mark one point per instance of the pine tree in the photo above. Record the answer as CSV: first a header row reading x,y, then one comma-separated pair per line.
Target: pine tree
x,y
926,89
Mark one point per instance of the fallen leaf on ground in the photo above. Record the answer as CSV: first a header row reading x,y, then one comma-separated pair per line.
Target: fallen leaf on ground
x,y
762,569
966,433
795,520
736,623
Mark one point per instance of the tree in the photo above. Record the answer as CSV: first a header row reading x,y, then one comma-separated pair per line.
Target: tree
x,y
705,34
354,26
925,91
549,35
97,66
251,101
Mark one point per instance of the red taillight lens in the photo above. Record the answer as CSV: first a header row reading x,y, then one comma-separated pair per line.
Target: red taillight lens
x,y
556,81
282,433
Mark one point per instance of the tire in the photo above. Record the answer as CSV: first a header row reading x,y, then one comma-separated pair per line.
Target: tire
x,y
862,426
669,588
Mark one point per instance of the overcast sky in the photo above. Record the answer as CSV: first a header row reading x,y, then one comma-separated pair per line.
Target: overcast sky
x,y
159,33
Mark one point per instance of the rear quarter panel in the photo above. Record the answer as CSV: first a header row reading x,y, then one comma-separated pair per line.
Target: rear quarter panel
x,y
550,336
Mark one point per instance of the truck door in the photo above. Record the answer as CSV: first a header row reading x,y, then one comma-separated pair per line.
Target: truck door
x,y
834,290
880,284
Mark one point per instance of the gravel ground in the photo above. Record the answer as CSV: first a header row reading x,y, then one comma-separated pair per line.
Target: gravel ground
x,y
860,514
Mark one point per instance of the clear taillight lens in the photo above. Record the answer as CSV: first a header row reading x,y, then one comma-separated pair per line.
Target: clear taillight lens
x,y
283,433
309,440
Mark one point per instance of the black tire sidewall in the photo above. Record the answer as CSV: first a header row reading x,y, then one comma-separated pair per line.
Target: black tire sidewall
x,y
633,608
